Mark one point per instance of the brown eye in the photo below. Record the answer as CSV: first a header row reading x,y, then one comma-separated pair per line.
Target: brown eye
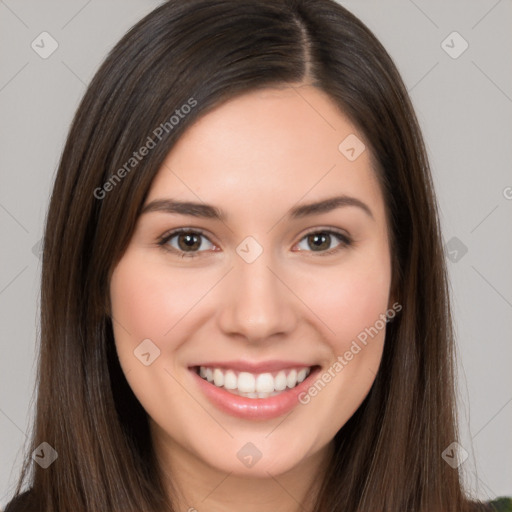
x,y
324,242
186,243
319,241
189,241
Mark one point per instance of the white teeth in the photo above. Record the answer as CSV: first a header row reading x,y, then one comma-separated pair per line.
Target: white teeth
x,y
230,380
218,377
301,375
291,380
280,381
246,382
263,385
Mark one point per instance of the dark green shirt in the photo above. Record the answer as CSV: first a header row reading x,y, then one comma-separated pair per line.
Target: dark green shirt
x,y
501,505
20,504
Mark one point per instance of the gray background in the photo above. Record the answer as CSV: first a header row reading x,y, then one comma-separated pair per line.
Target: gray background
x,y
464,105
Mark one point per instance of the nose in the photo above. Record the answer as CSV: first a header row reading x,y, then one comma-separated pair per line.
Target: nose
x,y
257,302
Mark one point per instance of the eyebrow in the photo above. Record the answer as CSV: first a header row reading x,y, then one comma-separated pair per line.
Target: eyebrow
x,y
203,210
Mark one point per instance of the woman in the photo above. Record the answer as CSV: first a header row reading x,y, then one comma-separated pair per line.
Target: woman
x,y
244,298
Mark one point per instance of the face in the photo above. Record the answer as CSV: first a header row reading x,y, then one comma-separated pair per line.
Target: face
x,y
250,324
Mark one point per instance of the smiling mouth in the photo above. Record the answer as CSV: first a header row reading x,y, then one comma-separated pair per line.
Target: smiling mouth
x,y
254,385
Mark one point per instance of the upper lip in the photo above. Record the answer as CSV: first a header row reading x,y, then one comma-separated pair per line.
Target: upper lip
x,y
255,367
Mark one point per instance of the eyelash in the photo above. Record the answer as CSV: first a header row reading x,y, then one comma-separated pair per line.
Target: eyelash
x,y
162,242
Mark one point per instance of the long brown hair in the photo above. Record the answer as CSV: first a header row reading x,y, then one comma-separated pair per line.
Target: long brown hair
x,y
201,53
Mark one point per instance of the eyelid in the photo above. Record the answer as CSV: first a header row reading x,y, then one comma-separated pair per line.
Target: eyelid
x,y
325,229
345,240
163,240
343,237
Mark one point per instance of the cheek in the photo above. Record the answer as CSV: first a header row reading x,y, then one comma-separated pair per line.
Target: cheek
x,y
350,299
151,303
148,301
356,307
352,307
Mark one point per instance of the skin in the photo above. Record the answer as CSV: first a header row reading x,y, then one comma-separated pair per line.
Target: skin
x,y
255,157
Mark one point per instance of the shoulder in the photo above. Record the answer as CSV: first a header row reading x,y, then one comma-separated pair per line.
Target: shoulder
x,y
21,503
501,505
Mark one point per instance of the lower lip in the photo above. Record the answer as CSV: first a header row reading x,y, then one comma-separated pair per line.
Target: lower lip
x,y
254,408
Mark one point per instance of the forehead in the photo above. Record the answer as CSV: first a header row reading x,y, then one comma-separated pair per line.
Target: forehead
x,y
275,145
